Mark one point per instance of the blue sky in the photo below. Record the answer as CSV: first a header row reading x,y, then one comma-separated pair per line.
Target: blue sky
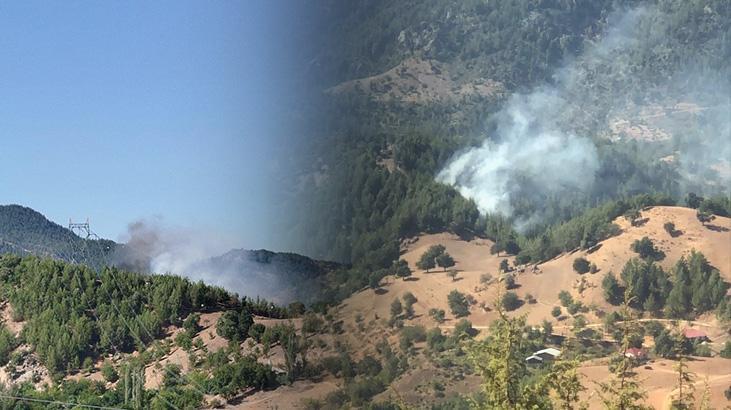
x,y
118,111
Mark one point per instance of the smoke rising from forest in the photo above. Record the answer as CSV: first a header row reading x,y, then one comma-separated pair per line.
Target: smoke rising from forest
x,y
153,247
531,147
548,142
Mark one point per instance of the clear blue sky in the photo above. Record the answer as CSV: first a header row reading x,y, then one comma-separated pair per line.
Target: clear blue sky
x,y
124,110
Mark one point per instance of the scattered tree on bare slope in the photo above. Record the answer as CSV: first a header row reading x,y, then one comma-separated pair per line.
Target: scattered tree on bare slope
x,y
623,391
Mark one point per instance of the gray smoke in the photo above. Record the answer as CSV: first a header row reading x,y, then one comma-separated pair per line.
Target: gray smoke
x,y
531,147
150,246
544,141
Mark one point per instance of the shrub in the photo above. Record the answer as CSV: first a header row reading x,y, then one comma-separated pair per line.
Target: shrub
x,y
409,298
574,308
464,328
458,303
702,350
184,340
312,323
437,314
646,249
565,298
109,373
256,331
8,343
485,278
411,335
581,265
88,364
726,351
556,311
435,339
511,301
368,366
396,308
509,282
191,323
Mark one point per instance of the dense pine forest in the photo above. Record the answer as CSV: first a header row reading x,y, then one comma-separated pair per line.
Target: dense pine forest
x,y
75,317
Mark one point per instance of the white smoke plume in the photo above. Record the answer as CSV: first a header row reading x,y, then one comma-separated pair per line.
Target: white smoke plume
x,y
543,141
151,246
532,147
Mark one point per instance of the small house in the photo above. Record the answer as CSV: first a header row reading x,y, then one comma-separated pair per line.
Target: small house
x,y
542,356
548,354
636,353
533,359
695,335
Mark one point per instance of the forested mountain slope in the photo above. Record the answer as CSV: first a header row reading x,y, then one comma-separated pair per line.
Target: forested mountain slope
x,y
280,277
640,84
24,231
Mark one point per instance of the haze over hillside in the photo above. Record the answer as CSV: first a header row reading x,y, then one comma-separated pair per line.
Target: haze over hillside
x,y
280,277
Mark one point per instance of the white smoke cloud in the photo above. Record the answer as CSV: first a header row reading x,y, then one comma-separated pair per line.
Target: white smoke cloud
x,y
153,246
531,147
543,146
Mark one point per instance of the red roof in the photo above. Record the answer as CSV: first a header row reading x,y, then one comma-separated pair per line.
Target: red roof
x,y
694,334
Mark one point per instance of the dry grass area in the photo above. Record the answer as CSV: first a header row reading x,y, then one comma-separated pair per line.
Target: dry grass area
x,y
473,259
288,397
659,380
364,315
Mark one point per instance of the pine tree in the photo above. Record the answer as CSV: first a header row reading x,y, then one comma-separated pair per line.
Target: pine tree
x,y
500,363
685,399
706,397
565,381
679,300
623,391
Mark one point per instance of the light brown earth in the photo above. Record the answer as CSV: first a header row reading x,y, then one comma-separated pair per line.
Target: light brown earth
x,y
364,314
659,380
473,259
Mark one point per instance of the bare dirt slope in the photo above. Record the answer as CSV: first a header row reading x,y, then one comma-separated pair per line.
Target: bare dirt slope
x,y
544,283
659,380
473,259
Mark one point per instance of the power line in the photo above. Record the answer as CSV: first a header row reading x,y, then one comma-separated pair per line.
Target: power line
x,y
180,377
121,316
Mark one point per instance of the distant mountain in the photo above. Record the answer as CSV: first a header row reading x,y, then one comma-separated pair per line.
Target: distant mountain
x,y
280,277
24,231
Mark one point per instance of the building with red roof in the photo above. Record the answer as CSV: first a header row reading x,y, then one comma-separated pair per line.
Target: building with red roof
x,y
695,334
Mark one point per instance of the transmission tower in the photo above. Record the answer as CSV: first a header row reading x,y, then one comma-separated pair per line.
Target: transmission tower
x,y
82,229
